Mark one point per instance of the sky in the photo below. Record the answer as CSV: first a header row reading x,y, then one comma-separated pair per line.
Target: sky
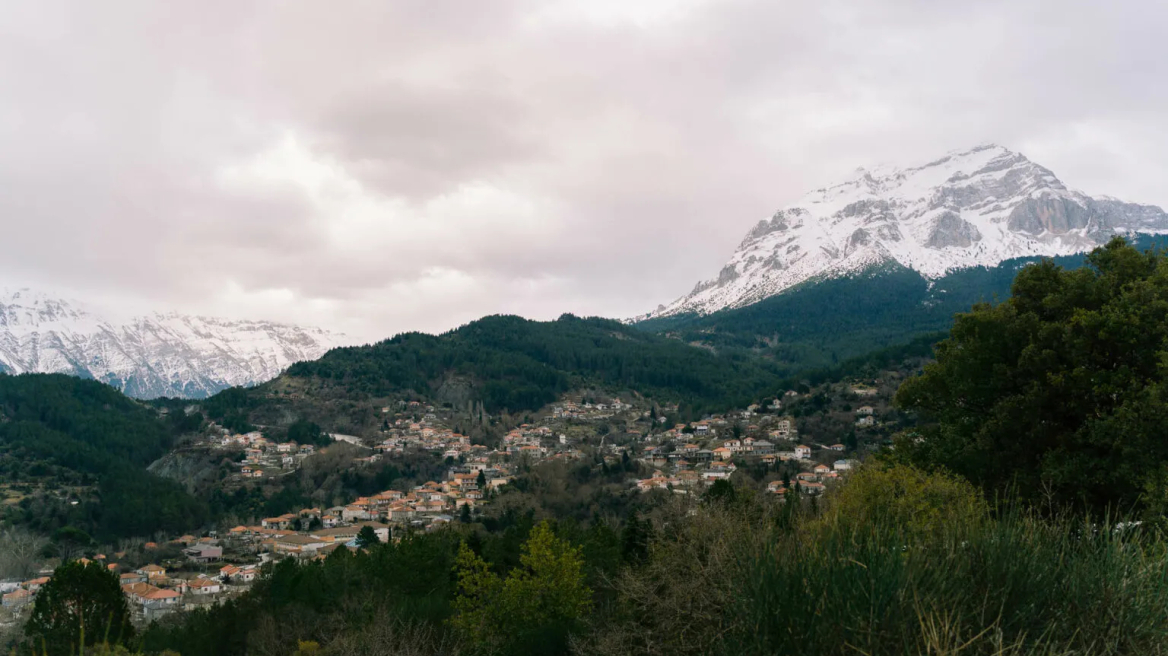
x,y
373,167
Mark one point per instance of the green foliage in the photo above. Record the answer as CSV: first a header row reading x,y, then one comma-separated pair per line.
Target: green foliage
x,y
1058,392
407,581
367,537
67,433
917,503
81,605
515,364
888,575
534,609
306,432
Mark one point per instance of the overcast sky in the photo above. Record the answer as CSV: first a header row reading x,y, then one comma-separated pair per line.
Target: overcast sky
x,y
374,166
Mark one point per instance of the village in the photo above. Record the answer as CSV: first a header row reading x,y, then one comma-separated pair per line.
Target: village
x,y
191,572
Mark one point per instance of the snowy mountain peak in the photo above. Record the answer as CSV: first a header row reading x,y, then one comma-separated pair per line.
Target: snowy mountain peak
x,y
969,208
157,355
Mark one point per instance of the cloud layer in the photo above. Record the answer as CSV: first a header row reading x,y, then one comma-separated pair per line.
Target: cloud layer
x,y
374,167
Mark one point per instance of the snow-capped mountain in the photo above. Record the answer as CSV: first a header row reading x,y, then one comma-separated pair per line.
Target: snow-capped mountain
x,y
149,356
972,208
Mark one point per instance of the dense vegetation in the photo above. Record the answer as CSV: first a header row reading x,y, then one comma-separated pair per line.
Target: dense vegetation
x,y
65,440
898,561
820,323
510,363
1060,392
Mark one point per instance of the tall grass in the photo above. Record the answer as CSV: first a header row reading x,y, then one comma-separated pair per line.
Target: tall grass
x,y
898,563
1012,585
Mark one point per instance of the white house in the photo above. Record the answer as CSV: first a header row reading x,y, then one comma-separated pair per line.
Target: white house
x,y
802,452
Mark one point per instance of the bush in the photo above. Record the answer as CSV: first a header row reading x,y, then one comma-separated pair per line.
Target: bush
x,y
899,562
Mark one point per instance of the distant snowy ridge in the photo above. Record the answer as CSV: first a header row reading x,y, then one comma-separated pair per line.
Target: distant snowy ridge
x,y
150,356
972,208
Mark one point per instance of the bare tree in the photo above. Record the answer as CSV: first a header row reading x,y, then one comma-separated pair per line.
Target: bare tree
x,y
20,552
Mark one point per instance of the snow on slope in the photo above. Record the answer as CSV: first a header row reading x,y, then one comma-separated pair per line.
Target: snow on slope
x,y
972,208
149,356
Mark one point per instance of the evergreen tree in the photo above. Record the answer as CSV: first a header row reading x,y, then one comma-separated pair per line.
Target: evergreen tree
x,y
635,539
80,606
367,537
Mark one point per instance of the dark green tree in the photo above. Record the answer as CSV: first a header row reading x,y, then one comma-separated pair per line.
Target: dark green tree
x,y
481,480
1058,393
367,537
722,491
81,605
635,538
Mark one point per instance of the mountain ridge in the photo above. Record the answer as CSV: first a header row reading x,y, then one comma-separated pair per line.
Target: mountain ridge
x,y
969,208
159,354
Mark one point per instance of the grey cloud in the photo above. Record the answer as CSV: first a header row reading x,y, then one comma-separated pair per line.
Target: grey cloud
x,y
516,156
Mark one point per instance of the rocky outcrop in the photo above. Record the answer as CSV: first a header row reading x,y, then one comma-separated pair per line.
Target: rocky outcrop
x,y
949,230
1049,214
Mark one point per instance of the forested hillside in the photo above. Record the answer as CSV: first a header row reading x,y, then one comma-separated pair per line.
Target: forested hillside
x,y
822,322
510,363
74,452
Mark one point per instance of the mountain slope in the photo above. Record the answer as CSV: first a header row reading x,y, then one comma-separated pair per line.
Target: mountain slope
x,y
149,356
77,451
814,324
506,363
967,209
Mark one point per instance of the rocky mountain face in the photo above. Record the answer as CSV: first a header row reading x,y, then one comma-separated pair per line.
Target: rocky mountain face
x,y
973,208
149,356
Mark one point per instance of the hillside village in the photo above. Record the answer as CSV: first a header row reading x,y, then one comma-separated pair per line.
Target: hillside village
x,y
684,458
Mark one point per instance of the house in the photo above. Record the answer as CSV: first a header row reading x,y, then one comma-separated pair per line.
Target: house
x,y
811,487
159,597
16,598
836,447
204,553
861,390
701,428
282,522
802,452
783,429
132,577
842,465
297,544
723,453
202,586
865,411
35,584
776,487
763,447
820,470
151,571
866,421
